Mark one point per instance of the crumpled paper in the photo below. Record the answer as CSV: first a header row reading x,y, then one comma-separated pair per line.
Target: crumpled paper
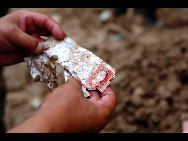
x,y
78,62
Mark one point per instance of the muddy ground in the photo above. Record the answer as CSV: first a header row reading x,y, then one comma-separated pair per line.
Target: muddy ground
x,y
151,65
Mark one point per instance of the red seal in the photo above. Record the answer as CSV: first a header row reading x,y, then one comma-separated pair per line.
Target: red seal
x,y
100,77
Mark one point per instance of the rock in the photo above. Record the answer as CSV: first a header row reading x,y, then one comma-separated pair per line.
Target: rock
x,y
105,15
163,91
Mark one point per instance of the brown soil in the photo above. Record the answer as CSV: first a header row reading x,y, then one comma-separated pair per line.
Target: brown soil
x,y
151,65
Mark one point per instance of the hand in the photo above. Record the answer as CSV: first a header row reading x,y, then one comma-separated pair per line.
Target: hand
x,y
20,32
66,109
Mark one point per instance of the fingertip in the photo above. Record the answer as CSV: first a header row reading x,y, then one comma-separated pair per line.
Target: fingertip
x,y
39,48
108,91
108,99
58,33
94,96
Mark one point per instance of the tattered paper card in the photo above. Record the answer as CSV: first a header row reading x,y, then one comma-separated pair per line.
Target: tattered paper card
x,y
78,62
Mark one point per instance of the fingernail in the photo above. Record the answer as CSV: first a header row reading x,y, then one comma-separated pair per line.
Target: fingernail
x,y
39,48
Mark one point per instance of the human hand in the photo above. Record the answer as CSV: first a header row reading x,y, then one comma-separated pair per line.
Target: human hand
x,y
66,109
20,32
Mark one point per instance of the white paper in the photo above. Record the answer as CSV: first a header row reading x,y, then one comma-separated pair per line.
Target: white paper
x,y
78,62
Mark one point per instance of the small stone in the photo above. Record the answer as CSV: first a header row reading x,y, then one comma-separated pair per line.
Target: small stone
x,y
46,47
105,15
37,78
54,57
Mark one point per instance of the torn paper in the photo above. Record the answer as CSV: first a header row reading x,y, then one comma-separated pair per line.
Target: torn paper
x,y
78,62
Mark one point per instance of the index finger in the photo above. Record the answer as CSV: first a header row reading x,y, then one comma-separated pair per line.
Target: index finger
x,y
49,24
45,22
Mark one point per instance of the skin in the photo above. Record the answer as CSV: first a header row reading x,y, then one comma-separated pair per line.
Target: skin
x,y
20,33
65,109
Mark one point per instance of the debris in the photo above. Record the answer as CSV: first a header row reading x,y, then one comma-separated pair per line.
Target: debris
x,y
117,37
105,15
54,57
78,62
35,102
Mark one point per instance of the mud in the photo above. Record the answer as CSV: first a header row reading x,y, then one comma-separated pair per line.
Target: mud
x,y
151,65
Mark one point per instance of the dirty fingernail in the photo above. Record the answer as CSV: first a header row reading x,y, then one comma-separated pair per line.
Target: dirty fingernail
x,y
39,48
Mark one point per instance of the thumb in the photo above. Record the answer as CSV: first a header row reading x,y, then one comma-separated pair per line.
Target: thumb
x,y
71,87
24,40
